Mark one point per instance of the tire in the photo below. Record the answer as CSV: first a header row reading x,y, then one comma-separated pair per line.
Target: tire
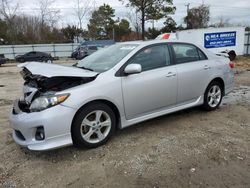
x,y
213,96
49,61
89,133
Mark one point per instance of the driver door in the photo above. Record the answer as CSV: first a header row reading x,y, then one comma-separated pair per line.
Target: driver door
x,y
155,87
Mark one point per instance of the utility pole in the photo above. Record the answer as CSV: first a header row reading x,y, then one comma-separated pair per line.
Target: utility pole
x,y
187,5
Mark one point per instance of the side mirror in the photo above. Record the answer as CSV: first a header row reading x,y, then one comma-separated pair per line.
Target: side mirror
x,y
133,69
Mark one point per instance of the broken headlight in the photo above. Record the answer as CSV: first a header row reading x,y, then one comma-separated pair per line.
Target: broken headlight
x,y
44,102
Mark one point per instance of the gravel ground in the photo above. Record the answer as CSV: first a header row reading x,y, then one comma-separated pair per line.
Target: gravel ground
x,y
191,148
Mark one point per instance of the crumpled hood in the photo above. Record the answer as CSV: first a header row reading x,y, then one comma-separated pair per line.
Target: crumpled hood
x,y
53,70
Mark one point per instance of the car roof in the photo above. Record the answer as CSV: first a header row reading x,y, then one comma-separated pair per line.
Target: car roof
x,y
162,41
148,42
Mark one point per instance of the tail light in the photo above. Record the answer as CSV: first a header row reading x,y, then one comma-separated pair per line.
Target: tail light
x,y
232,64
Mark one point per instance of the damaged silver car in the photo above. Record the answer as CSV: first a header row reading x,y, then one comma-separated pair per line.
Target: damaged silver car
x,y
114,88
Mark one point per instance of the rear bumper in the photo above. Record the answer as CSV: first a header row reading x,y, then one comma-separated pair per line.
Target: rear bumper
x,y
56,122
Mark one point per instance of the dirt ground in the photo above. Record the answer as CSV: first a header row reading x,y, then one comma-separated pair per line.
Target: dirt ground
x,y
191,148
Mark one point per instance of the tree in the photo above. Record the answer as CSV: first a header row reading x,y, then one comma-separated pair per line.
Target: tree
x,y
48,15
153,33
134,19
151,10
8,10
101,23
82,9
169,25
122,29
3,30
198,17
70,32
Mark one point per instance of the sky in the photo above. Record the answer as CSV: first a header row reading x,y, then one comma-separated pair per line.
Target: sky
x,y
235,11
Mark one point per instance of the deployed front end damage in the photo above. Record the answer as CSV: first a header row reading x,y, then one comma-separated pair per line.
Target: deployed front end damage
x,y
32,118
38,85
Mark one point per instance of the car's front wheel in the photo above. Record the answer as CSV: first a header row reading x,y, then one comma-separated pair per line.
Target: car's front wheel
x,y
93,125
213,96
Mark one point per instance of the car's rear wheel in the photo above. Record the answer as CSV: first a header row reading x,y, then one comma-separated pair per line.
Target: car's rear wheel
x,y
93,125
213,96
49,61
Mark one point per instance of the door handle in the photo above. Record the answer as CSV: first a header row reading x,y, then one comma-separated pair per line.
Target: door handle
x,y
170,74
206,67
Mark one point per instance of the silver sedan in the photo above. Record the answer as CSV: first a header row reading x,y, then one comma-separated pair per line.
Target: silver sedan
x,y
115,87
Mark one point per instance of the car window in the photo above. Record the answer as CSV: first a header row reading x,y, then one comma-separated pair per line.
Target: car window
x,y
152,57
202,55
106,58
185,53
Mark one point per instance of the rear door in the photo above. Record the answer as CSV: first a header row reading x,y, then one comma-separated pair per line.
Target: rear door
x,y
193,69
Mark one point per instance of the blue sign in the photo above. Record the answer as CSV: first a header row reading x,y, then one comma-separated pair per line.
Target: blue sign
x,y
218,40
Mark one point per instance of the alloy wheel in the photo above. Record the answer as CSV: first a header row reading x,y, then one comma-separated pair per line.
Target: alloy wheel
x,y
95,127
214,96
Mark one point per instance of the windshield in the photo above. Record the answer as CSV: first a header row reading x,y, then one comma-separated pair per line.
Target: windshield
x,y
106,58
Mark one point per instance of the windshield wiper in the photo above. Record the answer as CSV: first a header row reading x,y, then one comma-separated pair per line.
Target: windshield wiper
x,y
82,67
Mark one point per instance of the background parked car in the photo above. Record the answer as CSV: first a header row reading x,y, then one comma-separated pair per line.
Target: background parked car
x,y
34,56
83,51
75,52
2,59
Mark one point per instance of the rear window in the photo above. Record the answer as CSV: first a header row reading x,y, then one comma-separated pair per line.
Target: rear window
x,y
185,53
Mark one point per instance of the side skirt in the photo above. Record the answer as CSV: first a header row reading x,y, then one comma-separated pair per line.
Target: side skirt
x,y
125,123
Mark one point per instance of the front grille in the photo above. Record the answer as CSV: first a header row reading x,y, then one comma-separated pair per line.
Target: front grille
x,y
19,135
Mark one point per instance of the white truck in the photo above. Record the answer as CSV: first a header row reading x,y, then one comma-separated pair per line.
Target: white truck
x,y
216,40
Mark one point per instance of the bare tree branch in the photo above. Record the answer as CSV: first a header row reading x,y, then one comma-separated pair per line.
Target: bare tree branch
x,y
82,9
8,10
135,20
47,13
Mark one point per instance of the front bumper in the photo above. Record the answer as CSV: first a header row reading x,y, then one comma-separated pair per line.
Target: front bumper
x,y
56,122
